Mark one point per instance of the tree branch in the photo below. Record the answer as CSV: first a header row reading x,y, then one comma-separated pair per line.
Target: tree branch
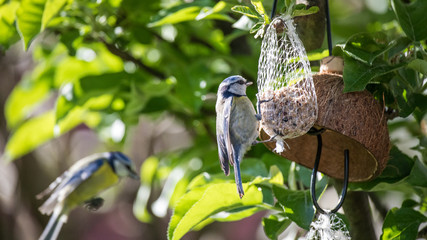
x,y
357,209
128,57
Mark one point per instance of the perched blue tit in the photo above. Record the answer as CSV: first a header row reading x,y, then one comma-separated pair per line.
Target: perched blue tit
x,y
236,125
80,184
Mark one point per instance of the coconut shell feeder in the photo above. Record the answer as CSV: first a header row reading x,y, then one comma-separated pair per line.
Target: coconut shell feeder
x,y
347,121
308,118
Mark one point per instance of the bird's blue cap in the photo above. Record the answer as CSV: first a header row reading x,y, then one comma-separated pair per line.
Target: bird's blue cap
x,y
232,79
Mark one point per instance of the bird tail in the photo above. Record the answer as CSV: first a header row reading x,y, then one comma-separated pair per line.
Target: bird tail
x,y
237,175
54,225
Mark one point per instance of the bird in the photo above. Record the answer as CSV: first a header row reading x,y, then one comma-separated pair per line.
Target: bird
x,y
236,125
80,185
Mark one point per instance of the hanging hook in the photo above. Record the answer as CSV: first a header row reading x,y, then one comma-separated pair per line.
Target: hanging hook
x,y
328,27
273,11
316,132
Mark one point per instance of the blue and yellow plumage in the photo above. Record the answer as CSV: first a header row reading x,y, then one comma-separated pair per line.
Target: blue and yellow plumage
x,y
80,184
236,125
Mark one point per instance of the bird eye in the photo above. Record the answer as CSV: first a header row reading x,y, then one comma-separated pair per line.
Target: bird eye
x,y
241,82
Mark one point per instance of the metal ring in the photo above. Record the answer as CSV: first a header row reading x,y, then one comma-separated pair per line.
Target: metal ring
x,y
314,174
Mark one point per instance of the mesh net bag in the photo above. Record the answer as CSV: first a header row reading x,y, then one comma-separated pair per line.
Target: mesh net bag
x,y
328,227
285,83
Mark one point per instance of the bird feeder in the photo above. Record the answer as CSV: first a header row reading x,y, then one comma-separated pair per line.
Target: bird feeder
x,y
352,121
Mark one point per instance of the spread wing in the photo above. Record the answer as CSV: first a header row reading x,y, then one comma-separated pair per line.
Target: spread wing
x,y
68,184
225,149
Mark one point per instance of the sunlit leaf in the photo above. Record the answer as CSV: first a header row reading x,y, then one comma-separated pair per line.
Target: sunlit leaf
x,y
245,10
260,9
189,11
52,8
40,129
305,12
199,204
30,135
8,34
208,12
402,223
24,97
29,19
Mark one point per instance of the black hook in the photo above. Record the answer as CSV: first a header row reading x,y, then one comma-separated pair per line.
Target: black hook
x,y
328,27
273,11
316,132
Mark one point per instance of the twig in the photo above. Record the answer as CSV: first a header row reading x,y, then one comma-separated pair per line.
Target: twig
x,y
128,57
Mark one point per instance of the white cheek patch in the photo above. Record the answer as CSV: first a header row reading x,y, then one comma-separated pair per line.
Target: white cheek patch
x,y
121,170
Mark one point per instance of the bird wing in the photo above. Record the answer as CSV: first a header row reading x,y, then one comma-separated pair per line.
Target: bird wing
x,y
225,149
64,177
70,183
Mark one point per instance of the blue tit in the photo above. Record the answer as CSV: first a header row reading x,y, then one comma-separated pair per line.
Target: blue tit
x,y
236,125
80,184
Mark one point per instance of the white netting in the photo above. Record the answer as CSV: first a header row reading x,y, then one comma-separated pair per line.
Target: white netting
x,y
328,227
284,76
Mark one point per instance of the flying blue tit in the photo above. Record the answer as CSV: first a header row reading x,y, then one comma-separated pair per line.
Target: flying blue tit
x,y
236,125
80,184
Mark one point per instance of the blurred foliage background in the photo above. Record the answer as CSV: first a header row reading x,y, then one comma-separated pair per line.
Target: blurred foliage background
x,y
141,76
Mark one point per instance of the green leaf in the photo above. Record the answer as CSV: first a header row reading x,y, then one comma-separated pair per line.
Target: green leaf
x,y
412,18
297,205
274,225
51,9
366,47
260,9
30,135
398,45
23,99
245,10
236,214
305,12
188,12
29,20
403,94
256,27
398,168
140,206
95,85
8,34
402,224
38,130
418,175
200,203
357,75
419,65
207,12
148,171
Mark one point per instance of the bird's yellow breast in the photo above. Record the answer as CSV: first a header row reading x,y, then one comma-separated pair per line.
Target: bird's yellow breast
x,y
243,122
100,180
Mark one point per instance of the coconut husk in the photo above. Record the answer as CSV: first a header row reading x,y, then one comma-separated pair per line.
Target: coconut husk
x,y
353,121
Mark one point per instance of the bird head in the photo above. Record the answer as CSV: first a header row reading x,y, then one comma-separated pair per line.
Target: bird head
x,y
234,85
123,166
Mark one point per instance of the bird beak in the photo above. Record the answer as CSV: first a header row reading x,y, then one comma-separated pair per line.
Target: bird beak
x,y
133,174
248,83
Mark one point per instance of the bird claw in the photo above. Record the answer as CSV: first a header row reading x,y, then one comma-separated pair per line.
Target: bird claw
x,y
258,106
265,141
